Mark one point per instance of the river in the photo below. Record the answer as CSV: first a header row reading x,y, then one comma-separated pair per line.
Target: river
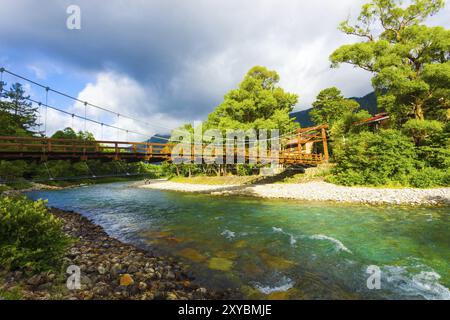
x,y
278,249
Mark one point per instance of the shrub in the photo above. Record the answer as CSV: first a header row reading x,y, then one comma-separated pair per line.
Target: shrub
x,y
387,157
436,150
12,170
30,237
422,129
244,169
429,177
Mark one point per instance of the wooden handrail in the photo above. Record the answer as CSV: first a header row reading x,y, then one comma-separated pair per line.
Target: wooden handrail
x,y
18,147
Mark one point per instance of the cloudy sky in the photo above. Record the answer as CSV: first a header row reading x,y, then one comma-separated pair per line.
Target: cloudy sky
x,y
168,62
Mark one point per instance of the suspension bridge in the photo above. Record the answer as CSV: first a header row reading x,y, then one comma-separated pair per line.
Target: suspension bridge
x,y
298,147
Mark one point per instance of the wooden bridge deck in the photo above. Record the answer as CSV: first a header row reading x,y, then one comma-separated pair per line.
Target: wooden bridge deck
x,y
43,149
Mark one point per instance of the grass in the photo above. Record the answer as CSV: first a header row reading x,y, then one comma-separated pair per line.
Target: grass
x,y
4,188
319,173
18,185
225,180
14,293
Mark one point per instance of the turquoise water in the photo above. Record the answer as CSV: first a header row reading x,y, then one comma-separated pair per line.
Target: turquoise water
x,y
278,249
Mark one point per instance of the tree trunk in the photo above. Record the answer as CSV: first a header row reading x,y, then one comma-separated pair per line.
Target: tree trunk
x,y
418,111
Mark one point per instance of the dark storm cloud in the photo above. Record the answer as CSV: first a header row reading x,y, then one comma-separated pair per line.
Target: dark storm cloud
x,y
189,53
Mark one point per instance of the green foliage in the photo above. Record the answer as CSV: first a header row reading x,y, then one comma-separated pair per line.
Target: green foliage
x,y
330,106
422,129
385,158
258,103
12,170
30,237
67,133
244,169
409,60
345,125
9,126
435,150
390,158
152,171
430,177
19,114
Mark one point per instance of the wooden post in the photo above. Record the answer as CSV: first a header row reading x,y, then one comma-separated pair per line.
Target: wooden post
x,y
325,145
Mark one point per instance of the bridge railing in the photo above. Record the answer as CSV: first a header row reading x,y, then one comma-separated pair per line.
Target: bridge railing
x,y
77,146
53,148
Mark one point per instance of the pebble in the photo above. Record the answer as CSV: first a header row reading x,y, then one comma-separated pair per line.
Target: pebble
x,y
110,269
126,280
318,191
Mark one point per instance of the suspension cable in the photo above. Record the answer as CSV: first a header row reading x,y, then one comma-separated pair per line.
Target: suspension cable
x,y
111,111
89,169
83,118
80,101
46,110
1,82
85,115
48,172
73,115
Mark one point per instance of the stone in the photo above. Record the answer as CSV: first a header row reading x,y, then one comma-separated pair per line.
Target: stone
x,y
51,276
278,295
45,286
220,264
142,286
101,289
35,280
240,244
101,269
171,296
276,262
116,269
126,280
201,290
148,296
133,268
192,254
170,275
86,282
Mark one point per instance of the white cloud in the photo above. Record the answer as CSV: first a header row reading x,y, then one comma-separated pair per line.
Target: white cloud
x,y
38,72
177,59
121,94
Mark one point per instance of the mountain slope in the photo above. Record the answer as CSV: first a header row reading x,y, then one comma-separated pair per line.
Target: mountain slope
x,y
368,102
159,138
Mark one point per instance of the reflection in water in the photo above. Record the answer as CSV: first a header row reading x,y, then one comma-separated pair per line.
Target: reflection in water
x,y
278,249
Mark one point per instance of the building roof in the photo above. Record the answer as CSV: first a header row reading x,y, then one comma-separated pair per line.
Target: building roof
x,y
376,118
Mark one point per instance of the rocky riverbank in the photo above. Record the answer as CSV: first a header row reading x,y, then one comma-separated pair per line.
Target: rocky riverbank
x,y
317,191
110,269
